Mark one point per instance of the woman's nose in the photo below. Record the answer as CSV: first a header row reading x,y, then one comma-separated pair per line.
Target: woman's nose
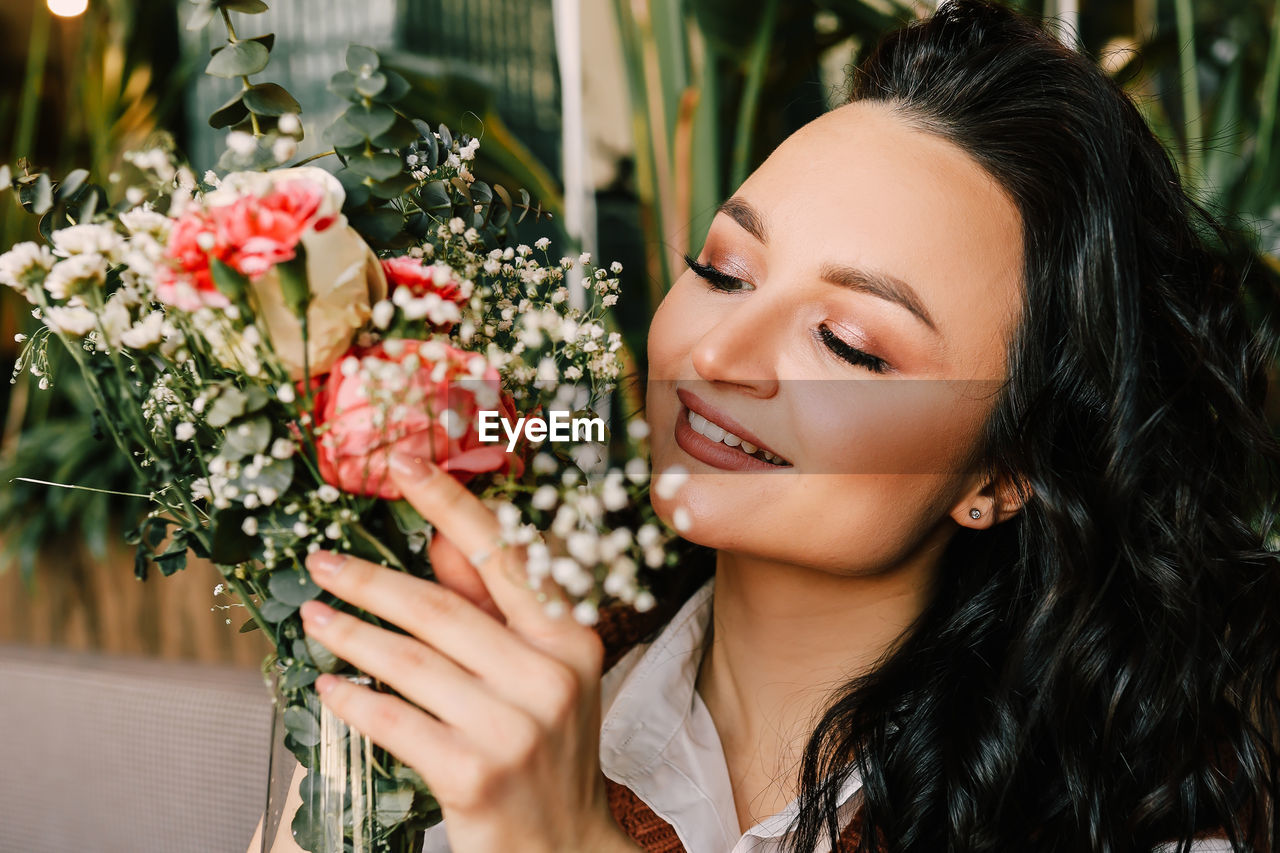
x,y
741,348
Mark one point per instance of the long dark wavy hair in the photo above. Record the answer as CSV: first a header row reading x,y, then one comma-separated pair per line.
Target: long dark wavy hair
x,y
1100,672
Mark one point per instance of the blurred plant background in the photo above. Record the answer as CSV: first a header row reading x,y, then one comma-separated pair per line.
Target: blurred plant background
x,y
677,101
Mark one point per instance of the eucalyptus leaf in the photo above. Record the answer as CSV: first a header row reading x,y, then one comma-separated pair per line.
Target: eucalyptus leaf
x,y
297,676
302,725
201,15
276,611
256,398
446,138
481,193
362,60
434,198
381,225
343,84
249,626
392,807
341,134
357,192
239,60
268,41
400,135
172,561
277,475
229,114
71,184
324,660
371,121
397,87
231,546
88,200
228,405
293,587
36,194
371,84
270,99
379,166
427,143
246,437
393,187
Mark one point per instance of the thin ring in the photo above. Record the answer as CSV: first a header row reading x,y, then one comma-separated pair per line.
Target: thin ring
x,y
477,559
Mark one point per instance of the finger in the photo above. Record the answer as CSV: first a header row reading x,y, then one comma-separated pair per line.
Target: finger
x,y
410,734
474,529
420,673
456,572
440,617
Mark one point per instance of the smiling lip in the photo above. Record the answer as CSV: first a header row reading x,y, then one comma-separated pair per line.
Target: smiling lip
x,y
716,453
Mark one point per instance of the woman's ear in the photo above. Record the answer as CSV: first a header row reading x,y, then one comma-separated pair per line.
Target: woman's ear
x,y
992,502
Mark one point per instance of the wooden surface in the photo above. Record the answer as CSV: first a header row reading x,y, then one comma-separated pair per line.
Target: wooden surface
x,y
79,602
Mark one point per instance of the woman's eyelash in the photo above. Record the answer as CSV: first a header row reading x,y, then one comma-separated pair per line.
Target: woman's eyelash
x,y
724,282
851,354
717,279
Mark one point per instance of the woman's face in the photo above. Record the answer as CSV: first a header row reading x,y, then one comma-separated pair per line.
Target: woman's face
x,y
872,283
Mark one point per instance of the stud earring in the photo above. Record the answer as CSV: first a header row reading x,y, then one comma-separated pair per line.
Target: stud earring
x,y
975,513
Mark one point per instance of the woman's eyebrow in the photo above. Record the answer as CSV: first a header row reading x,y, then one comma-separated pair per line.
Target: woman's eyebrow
x,y
873,282
742,212
879,284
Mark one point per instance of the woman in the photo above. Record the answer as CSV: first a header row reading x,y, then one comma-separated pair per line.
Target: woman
x,y
992,576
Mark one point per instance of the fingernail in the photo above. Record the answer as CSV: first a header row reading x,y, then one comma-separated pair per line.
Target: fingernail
x,y
325,563
409,465
317,613
325,683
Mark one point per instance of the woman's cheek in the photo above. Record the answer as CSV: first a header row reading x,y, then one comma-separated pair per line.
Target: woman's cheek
x,y
893,426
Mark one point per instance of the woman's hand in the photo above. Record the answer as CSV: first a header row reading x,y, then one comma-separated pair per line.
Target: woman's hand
x,y
503,720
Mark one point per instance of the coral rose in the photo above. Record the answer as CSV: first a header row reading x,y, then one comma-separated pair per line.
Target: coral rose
x,y
422,397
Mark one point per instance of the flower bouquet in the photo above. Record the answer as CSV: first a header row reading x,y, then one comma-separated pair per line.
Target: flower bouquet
x,y
257,344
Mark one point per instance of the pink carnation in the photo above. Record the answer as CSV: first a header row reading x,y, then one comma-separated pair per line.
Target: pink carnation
x,y
251,235
421,279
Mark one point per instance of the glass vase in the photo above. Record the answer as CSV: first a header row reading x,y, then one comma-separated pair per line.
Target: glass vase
x,y
331,789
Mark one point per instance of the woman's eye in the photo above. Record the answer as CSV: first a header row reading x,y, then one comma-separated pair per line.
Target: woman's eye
x,y
717,279
851,354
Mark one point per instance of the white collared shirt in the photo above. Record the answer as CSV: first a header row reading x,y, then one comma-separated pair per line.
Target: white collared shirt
x,y
658,739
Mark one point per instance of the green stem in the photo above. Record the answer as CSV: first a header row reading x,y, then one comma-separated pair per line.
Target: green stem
x,y
751,93
1193,123
1270,94
238,585
99,399
306,160
231,37
381,549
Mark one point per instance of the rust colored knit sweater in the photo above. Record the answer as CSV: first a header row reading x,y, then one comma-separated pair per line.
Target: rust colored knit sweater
x,y
620,628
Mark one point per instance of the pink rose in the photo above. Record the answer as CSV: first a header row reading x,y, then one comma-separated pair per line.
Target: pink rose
x,y
417,396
